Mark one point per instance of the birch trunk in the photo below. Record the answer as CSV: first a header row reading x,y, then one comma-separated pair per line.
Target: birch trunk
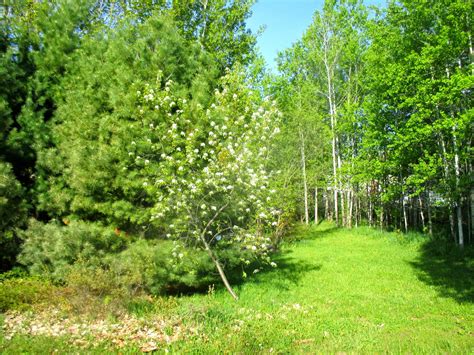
x,y
405,222
459,202
422,215
316,216
305,182
430,221
446,175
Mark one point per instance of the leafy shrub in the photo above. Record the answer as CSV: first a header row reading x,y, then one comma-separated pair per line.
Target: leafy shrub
x,y
159,267
51,249
21,293
153,266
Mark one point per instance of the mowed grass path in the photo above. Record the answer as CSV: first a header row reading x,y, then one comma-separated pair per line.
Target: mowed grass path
x,y
335,290
344,290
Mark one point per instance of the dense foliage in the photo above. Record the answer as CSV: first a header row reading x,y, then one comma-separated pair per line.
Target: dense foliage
x,y
393,91
146,145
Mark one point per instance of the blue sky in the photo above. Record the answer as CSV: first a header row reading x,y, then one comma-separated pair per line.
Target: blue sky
x,y
285,22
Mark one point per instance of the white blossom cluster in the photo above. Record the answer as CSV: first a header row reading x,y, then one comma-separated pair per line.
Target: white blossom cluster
x,y
207,165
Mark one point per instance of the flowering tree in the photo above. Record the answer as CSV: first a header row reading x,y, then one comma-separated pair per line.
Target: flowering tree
x,y
207,167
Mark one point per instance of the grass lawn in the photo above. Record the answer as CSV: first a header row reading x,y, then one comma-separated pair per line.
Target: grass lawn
x,y
334,290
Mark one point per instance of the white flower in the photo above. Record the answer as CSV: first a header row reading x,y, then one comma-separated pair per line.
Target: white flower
x,y
273,264
147,161
234,96
180,168
145,184
214,208
203,206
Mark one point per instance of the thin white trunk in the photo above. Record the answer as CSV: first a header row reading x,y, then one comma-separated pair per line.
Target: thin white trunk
x,y
326,205
369,206
405,222
428,207
350,200
332,114
457,171
422,214
305,182
446,174
316,216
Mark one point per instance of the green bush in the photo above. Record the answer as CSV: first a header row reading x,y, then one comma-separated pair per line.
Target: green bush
x,y
152,267
157,267
21,293
51,249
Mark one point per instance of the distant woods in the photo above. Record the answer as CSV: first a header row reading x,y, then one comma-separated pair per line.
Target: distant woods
x,y
378,109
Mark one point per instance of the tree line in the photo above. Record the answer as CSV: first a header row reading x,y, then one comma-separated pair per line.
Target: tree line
x,y
379,110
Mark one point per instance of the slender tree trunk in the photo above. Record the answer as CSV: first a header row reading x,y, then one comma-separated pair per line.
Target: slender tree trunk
x,y
446,174
369,206
305,182
214,259
430,221
327,212
219,268
422,215
332,114
472,215
358,211
351,204
459,201
381,217
405,221
316,216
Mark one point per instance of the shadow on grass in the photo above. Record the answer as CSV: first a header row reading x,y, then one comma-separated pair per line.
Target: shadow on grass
x,y
447,268
289,272
311,232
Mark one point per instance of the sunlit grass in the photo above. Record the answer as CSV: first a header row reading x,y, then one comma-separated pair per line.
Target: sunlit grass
x,y
359,290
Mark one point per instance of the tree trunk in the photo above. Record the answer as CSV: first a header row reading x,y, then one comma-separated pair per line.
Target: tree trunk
x,y
405,221
422,215
446,174
351,203
459,201
332,114
327,215
305,182
219,268
214,259
316,216
430,221
369,206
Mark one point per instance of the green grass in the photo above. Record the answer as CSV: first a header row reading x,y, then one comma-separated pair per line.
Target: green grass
x,y
334,290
